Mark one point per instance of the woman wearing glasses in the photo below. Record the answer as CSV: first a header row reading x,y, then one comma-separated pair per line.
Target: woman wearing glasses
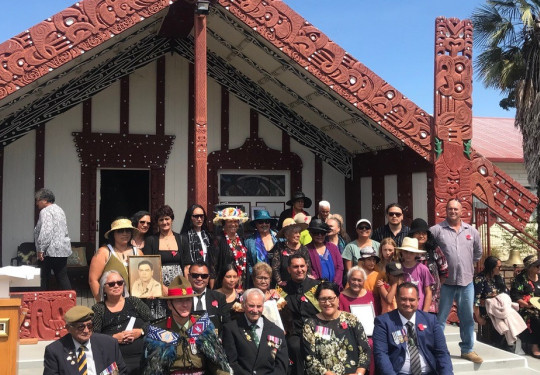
x,y
196,240
123,317
334,340
351,255
326,261
141,220
114,255
262,241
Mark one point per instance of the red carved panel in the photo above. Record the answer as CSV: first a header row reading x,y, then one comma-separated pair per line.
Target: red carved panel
x,y
65,36
45,316
329,63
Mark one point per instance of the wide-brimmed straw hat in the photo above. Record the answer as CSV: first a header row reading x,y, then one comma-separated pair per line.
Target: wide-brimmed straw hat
x,y
418,225
120,224
302,218
411,245
231,213
262,215
289,223
297,196
179,288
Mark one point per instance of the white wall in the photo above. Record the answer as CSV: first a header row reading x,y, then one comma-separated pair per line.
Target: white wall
x,y
333,190
517,171
18,195
106,110
62,166
419,196
142,100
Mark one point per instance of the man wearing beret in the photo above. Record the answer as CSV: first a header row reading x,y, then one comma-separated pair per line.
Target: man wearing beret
x,y
82,352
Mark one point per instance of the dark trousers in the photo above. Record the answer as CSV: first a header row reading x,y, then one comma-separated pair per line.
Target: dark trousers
x,y
294,344
59,268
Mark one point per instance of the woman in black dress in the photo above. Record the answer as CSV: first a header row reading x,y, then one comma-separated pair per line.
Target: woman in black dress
x,y
124,318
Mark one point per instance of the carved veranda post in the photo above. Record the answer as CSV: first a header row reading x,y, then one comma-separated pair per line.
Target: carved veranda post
x,y
201,118
453,115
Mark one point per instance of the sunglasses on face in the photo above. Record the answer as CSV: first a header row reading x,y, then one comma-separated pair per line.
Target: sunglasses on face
x,y
203,276
197,216
142,222
363,228
396,214
123,230
113,283
82,326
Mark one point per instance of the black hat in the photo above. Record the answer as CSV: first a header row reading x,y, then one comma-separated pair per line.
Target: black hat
x,y
394,269
297,196
318,226
418,225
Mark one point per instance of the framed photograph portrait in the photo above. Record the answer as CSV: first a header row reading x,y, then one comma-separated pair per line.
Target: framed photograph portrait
x,y
366,316
145,276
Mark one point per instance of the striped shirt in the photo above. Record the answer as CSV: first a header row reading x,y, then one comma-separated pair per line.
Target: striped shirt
x,y
384,232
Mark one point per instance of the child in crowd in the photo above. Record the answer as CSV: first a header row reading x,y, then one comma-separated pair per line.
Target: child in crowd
x,y
387,286
415,272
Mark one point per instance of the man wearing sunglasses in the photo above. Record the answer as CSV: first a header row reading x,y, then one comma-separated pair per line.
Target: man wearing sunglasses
x,y
82,350
214,303
394,228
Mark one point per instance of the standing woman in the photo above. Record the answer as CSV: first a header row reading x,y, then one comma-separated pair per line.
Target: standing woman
x,y
141,220
166,244
334,341
262,241
326,261
525,286
112,317
196,241
230,247
338,236
433,258
114,255
351,254
284,249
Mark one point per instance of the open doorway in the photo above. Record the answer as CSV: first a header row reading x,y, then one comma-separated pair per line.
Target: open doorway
x,y
121,193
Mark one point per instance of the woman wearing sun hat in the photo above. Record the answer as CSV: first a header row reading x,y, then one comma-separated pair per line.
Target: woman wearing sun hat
x,y
183,343
262,241
525,286
298,202
230,247
114,255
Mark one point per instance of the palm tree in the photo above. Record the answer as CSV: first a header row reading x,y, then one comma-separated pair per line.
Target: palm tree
x,y
508,32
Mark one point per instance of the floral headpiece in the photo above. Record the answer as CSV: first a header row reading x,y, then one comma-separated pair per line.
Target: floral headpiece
x,y
231,213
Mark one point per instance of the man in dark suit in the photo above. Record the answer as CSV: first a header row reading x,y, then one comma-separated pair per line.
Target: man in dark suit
x,y
253,343
81,350
214,303
409,341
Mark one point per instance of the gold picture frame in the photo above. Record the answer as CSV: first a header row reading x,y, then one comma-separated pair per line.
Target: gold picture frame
x,y
4,327
144,266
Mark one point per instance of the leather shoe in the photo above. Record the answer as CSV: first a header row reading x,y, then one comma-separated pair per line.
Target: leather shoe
x,y
472,356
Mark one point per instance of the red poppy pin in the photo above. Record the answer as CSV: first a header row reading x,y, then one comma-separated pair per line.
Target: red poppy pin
x,y
469,237
201,252
421,327
344,325
303,299
284,253
214,303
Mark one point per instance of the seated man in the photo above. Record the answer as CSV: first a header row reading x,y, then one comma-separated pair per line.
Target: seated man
x,y
301,304
253,343
408,340
214,303
146,286
81,350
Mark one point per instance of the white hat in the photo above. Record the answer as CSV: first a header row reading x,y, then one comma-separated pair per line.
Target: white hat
x,y
363,221
410,244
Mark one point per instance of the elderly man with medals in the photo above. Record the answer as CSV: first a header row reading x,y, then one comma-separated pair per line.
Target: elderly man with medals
x,y
183,344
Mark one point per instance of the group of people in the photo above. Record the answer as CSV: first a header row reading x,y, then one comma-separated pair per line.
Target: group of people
x,y
289,287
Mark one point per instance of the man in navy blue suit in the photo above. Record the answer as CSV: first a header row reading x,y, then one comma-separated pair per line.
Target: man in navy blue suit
x,y
409,341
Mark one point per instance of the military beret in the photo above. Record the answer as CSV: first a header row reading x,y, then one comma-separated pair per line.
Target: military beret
x,y
78,314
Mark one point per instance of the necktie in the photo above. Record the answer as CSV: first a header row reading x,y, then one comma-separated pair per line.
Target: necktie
x,y
199,303
253,328
81,361
412,344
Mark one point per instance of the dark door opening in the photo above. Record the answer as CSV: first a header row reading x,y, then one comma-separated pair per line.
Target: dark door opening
x,y
122,193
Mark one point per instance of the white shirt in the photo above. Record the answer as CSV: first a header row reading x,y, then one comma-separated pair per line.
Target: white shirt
x,y
204,249
90,364
407,364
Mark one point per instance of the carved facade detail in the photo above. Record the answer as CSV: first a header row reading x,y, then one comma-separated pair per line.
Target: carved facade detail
x,y
44,318
328,62
68,34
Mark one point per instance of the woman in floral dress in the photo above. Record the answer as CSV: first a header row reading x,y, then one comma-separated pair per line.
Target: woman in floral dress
x,y
525,286
334,340
230,247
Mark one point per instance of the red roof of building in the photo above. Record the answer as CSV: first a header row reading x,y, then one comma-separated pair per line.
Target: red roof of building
x,y
497,139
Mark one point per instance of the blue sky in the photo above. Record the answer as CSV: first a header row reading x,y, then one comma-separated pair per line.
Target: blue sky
x,y
394,38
